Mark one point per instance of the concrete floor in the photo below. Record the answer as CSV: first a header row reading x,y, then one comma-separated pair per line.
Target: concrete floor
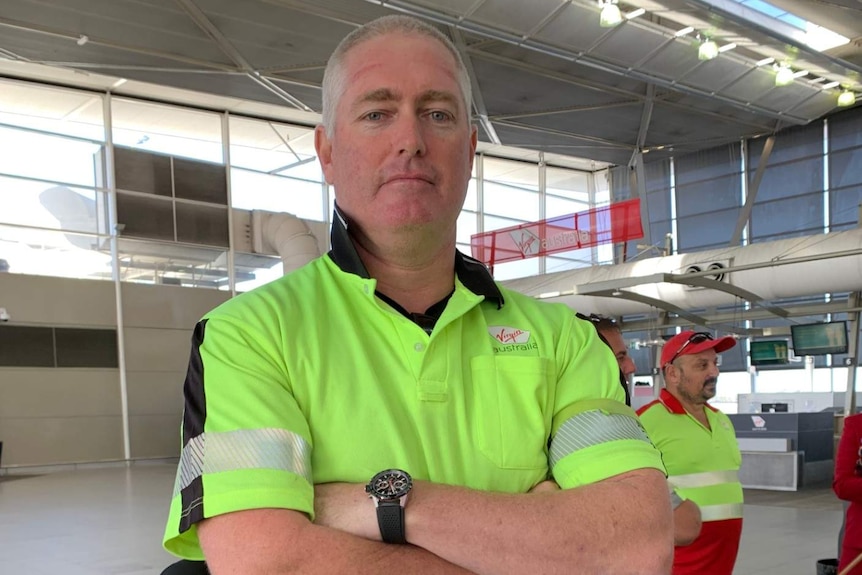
x,y
109,521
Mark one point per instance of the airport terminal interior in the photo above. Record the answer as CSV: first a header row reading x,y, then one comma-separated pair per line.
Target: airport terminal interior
x,y
671,164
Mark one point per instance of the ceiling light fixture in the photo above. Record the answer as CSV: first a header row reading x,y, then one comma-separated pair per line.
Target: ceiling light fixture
x,y
684,31
727,47
611,15
800,73
831,85
635,13
708,50
764,62
846,98
784,75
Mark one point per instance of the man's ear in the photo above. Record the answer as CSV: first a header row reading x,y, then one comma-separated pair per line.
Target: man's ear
x,y
323,147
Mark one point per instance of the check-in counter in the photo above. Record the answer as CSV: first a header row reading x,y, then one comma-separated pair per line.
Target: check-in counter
x,y
784,451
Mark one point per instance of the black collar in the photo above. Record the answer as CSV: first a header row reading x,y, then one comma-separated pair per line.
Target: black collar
x,y
472,273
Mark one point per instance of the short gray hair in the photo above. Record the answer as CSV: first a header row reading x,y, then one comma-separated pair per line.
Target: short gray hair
x,y
333,76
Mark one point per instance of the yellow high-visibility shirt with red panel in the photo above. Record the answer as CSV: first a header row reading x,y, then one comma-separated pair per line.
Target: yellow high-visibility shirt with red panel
x,y
702,465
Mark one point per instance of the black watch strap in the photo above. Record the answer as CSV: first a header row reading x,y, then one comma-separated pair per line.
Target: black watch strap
x,y
390,518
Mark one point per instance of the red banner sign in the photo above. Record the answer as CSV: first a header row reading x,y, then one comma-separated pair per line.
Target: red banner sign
x,y
619,222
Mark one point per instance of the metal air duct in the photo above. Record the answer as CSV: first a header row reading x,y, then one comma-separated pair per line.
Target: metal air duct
x,y
796,267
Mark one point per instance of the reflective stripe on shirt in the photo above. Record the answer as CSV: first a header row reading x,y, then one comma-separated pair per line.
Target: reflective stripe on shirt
x,y
589,428
213,452
721,512
704,479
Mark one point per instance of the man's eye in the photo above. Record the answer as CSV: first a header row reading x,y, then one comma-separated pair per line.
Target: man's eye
x,y
440,116
374,116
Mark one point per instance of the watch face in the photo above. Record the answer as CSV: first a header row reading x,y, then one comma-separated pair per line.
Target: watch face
x,y
390,484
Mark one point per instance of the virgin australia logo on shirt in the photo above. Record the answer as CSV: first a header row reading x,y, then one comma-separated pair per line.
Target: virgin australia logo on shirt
x,y
511,338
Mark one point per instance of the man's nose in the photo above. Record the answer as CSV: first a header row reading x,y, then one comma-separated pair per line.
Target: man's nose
x,y
410,136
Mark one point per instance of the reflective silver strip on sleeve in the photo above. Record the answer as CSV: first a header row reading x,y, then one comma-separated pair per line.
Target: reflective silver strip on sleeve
x,y
720,512
244,449
591,428
704,479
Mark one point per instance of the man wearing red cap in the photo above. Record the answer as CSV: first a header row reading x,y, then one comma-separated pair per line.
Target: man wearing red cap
x,y
699,448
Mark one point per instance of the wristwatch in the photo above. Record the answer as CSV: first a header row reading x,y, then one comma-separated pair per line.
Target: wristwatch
x,y
389,490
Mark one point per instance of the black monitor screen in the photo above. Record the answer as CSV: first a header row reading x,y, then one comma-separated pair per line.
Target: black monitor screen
x,y
769,352
774,407
819,338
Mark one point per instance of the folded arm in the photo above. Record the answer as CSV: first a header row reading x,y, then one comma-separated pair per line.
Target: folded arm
x,y
457,530
283,542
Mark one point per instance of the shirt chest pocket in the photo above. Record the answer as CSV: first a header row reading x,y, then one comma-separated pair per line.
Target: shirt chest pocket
x,y
512,409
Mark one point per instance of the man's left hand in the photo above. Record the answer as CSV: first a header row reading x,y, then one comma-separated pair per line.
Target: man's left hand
x,y
346,507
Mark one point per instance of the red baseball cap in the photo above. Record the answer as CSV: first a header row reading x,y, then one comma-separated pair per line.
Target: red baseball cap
x,y
689,342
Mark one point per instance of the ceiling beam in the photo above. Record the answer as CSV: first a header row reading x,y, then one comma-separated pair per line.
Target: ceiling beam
x,y
566,110
663,99
57,33
205,24
608,143
580,57
478,100
646,116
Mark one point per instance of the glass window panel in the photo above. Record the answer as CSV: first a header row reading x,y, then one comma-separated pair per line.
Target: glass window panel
x,y
620,188
516,269
657,175
308,169
730,385
830,379
522,175
466,226
570,184
255,270
271,147
47,157
170,130
723,192
43,205
658,205
708,164
54,253
789,180
845,168
844,206
503,200
790,215
706,229
845,129
257,191
491,223
51,109
563,207
790,144
172,264
471,201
